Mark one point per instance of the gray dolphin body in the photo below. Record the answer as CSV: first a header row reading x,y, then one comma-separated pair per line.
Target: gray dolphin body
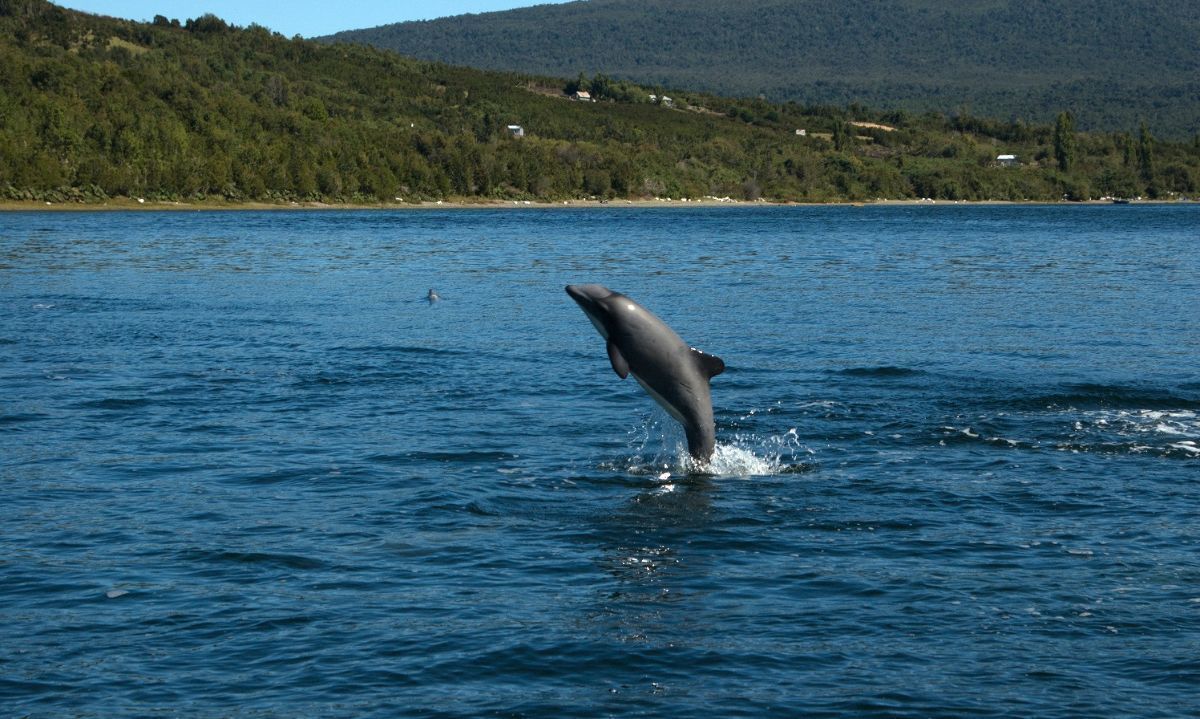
x,y
674,374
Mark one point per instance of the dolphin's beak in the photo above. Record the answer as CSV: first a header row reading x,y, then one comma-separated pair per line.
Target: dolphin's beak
x,y
588,298
588,295
582,298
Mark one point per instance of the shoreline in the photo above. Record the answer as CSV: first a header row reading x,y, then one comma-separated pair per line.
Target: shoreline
x,y
130,204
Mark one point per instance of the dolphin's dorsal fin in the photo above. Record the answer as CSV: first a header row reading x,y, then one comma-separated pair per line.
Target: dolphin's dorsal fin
x,y
620,366
710,365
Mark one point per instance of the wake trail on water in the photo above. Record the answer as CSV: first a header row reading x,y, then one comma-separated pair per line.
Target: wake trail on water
x,y
1167,433
1087,419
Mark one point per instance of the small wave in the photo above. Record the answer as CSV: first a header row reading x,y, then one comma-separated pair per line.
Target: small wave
x,y
1169,423
884,371
1151,432
11,419
1101,396
949,435
325,380
399,349
290,561
275,476
469,457
1178,450
1171,433
477,508
353,377
1186,446
115,403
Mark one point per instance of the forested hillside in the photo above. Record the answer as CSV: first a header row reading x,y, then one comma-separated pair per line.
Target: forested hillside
x,y
1112,63
93,108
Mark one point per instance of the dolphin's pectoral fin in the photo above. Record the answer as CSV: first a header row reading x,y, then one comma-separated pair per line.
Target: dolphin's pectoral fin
x,y
620,366
710,365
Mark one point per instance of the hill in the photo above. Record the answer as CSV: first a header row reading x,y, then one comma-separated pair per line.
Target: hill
x,y
1112,63
94,107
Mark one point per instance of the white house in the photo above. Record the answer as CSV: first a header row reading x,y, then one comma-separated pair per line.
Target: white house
x,y
583,96
802,133
516,131
1007,160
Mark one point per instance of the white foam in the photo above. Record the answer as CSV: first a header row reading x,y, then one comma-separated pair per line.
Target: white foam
x,y
729,460
659,450
1150,430
750,456
1164,428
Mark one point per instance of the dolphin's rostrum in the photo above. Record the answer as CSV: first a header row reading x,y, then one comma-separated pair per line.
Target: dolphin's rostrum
x,y
670,371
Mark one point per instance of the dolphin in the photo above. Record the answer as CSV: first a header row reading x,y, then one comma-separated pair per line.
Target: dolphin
x,y
674,374
433,296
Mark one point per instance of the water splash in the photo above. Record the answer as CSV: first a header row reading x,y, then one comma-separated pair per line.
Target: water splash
x,y
734,461
658,449
755,456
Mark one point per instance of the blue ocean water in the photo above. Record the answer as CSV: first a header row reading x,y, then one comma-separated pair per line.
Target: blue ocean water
x,y
247,469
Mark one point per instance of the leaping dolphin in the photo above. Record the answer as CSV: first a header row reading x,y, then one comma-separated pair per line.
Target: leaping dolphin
x,y
674,374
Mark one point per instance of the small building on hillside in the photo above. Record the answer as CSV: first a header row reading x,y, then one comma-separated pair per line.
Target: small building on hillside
x,y
516,131
801,133
1007,160
583,96
667,102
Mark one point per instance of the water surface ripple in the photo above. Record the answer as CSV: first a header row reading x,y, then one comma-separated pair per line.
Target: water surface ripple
x,y
247,469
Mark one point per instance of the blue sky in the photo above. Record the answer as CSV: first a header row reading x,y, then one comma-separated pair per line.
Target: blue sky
x,y
296,17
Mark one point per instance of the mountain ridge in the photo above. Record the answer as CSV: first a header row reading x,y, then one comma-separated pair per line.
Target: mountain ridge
x,y
1110,62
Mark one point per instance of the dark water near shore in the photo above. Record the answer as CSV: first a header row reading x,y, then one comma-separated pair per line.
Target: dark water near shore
x,y
247,470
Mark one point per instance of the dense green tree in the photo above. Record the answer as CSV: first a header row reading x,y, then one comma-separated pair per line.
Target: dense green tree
x,y
93,107
1109,60
1145,154
1064,141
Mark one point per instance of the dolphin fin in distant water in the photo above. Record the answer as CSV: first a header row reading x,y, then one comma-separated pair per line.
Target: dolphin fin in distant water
x,y
673,374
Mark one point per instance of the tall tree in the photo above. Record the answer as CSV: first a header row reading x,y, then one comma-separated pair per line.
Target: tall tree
x,y
1125,143
1145,154
1064,141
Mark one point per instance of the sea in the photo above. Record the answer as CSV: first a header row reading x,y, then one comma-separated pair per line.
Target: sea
x,y
249,469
